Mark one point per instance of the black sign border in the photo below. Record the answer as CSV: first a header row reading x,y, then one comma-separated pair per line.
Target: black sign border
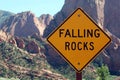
x,y
63,55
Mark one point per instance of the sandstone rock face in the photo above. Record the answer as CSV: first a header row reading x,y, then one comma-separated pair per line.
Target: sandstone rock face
x,y
113,59
44,21
112,16
22,43
7,38
112,23
106,14
111,55
22,25
4,15
25,45
4,36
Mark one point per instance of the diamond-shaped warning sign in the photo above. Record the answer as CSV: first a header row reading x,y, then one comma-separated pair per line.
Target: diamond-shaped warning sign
x,y
78,40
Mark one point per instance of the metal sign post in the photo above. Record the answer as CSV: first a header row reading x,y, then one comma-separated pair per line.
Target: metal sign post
x,y
78,76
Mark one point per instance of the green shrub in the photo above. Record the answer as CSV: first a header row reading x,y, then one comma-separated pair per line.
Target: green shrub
x,y
66,71
103,72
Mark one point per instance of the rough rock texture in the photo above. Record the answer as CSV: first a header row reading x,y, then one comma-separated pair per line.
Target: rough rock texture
x,y
111,55
20,42
52,57
112,58
45,20
112,23
32,47
112,16
22,24
36,36
106,14
12,41
4,15
4,36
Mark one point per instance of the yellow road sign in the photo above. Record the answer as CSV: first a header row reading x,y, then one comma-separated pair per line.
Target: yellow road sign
x,y
78,40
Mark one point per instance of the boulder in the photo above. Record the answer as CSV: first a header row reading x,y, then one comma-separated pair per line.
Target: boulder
x,y
20,42
32,47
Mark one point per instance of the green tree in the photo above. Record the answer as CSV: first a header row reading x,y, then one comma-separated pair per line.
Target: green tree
x,y
103,72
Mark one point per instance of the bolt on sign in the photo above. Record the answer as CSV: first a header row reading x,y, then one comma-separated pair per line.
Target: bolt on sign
x,y
78,39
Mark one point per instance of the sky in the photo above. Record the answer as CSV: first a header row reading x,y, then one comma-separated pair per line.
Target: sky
x,y
38,7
